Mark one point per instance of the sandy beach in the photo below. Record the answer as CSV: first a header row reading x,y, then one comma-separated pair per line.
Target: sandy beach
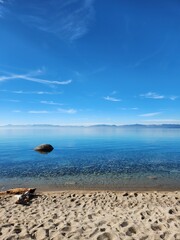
x,y
101,215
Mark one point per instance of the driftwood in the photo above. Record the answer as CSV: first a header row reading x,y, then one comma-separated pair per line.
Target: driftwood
x,y
18,191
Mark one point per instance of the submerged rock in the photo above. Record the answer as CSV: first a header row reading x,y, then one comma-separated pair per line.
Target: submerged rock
x,y
44,148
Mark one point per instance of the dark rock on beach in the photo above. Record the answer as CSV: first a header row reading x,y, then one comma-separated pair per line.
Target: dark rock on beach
x,y
44,148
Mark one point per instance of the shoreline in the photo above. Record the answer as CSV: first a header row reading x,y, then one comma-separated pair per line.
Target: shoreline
x,y
71,189
151,182
104,189
120,190
77,187
77,191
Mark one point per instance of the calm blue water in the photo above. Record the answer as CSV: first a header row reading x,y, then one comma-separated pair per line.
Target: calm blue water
x,y
90,158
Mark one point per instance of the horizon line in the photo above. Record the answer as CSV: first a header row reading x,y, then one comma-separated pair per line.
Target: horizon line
x,y
90,125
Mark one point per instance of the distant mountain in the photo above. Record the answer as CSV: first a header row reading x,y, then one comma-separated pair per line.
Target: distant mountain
x,y
140,126
154,126
103,125
98,126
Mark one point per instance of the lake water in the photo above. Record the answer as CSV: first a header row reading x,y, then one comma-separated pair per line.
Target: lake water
x,y
91,158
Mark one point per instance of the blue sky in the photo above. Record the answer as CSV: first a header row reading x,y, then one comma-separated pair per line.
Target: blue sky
x,y
87,62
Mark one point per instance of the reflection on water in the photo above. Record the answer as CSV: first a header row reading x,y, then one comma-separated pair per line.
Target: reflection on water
x,y
109,157
42,152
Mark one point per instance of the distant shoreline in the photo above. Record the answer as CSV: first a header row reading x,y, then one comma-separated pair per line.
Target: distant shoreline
x,y
95,126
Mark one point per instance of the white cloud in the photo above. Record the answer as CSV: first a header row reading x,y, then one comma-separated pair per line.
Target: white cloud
x,y
112,99
28,77
51,93
19,92
152,95
150,114
43,81
68,111
38,112
50,103
59,110
133,108
32,92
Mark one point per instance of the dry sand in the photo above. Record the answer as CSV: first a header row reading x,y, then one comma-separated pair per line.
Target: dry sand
x,y
92,215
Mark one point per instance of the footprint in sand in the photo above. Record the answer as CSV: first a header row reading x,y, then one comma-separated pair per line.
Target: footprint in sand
x,y
156,227
124,224
131,231
17,230
105,236
172,211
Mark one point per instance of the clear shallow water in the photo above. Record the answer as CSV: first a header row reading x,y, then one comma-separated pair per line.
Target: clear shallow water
x,y
91,158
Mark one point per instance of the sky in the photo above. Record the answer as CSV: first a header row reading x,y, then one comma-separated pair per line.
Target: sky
x,y
84,62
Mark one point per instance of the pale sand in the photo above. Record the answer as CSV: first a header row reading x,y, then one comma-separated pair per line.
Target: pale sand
x,y
92,215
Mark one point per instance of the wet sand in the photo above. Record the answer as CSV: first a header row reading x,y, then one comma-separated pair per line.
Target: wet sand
x,y
97,215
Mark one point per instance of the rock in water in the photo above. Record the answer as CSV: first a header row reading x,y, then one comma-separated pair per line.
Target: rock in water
x,y
44,148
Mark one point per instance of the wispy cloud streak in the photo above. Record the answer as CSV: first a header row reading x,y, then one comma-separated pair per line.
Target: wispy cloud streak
x,y
150,114
151,55
69,20
154,95
132,108
31,92
173,98
112,99
51,103
68,111
59,110
28,77
3,9
38,112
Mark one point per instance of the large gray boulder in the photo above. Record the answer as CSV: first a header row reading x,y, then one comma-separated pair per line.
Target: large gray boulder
x,y
44,148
